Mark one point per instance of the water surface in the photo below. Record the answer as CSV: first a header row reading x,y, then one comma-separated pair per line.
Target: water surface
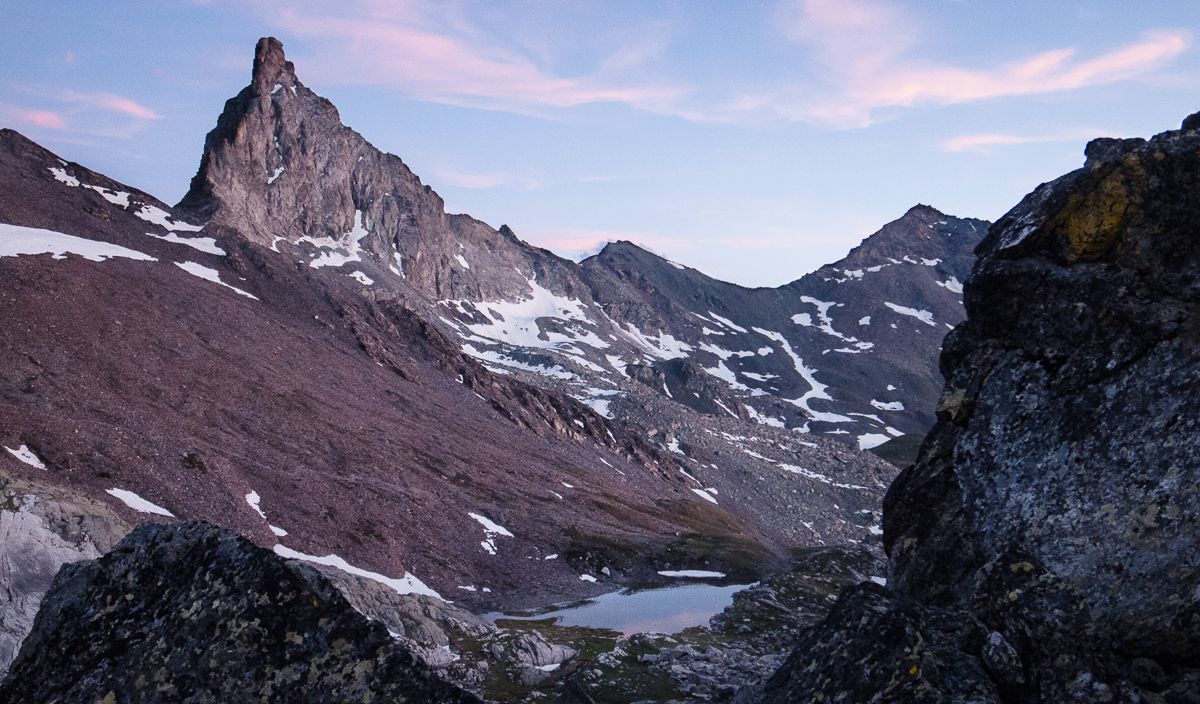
x,y
666,610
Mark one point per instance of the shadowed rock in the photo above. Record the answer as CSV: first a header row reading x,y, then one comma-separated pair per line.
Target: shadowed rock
x,y
1054,506
193,613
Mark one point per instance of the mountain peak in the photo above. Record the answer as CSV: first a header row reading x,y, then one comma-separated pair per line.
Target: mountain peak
x,y
923,210
271,65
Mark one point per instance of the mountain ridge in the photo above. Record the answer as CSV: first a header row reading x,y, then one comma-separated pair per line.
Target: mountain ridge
x,y
310,328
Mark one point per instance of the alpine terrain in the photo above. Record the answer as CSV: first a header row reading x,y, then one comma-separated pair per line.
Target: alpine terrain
x,y
321,388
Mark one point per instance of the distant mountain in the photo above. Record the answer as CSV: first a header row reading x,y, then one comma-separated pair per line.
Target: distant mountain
x,y
309,351
844,351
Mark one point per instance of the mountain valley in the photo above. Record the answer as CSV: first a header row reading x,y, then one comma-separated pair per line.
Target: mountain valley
x,y
311,378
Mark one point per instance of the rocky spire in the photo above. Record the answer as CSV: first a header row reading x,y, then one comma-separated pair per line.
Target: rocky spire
x,y
271,66
280,165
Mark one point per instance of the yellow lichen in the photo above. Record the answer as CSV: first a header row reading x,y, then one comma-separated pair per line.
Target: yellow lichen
x,y
1093,221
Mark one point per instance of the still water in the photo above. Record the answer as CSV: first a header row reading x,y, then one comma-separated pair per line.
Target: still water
x,y
667,610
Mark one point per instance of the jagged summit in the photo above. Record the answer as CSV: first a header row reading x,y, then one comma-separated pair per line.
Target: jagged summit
x,y
281,170
271,66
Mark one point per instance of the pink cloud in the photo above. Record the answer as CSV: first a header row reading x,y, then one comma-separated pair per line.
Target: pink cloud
x,y
986,142
465,179
396,46
867,49
47,119
110,102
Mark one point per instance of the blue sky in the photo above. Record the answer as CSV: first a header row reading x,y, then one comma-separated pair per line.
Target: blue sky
x,y
753,141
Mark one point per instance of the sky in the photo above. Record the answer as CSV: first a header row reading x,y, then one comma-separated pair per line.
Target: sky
x,y
754,141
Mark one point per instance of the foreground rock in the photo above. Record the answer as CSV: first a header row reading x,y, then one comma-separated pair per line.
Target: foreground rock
x,y
193,613
1045,547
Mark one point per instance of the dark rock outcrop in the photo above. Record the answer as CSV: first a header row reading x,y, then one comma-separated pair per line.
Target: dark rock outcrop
x,y
1054,506
193,613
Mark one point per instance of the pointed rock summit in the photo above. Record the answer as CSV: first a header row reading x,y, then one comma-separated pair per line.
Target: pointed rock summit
x,y
271,66
280,167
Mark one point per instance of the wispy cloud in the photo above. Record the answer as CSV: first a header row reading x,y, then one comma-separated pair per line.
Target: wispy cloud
x,y
402,46
90,113
110,102
868,50
465,179
987,142
861,61
46,119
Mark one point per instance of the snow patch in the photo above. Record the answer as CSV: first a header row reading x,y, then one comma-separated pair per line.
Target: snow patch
x,y
118,198
208,245
26,455
61,176
516,322
137,503
923,315
952,285
816,391
809,474
692,574
345,249
491,529
727,322
868,440
762,418
408,584
16,240
210,275
157,216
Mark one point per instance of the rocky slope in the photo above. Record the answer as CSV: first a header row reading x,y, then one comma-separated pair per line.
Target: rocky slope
x,y
1044,546
846,351
163,365
192,613
843,352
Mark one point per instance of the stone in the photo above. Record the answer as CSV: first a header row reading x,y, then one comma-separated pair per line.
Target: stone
x,y
192,613
1054,510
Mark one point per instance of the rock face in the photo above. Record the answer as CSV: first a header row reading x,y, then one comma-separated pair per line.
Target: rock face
x,y
192,613
1053,510
280,167
43,527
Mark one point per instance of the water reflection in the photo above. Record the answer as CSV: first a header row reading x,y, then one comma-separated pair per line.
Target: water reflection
x,y
667,610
